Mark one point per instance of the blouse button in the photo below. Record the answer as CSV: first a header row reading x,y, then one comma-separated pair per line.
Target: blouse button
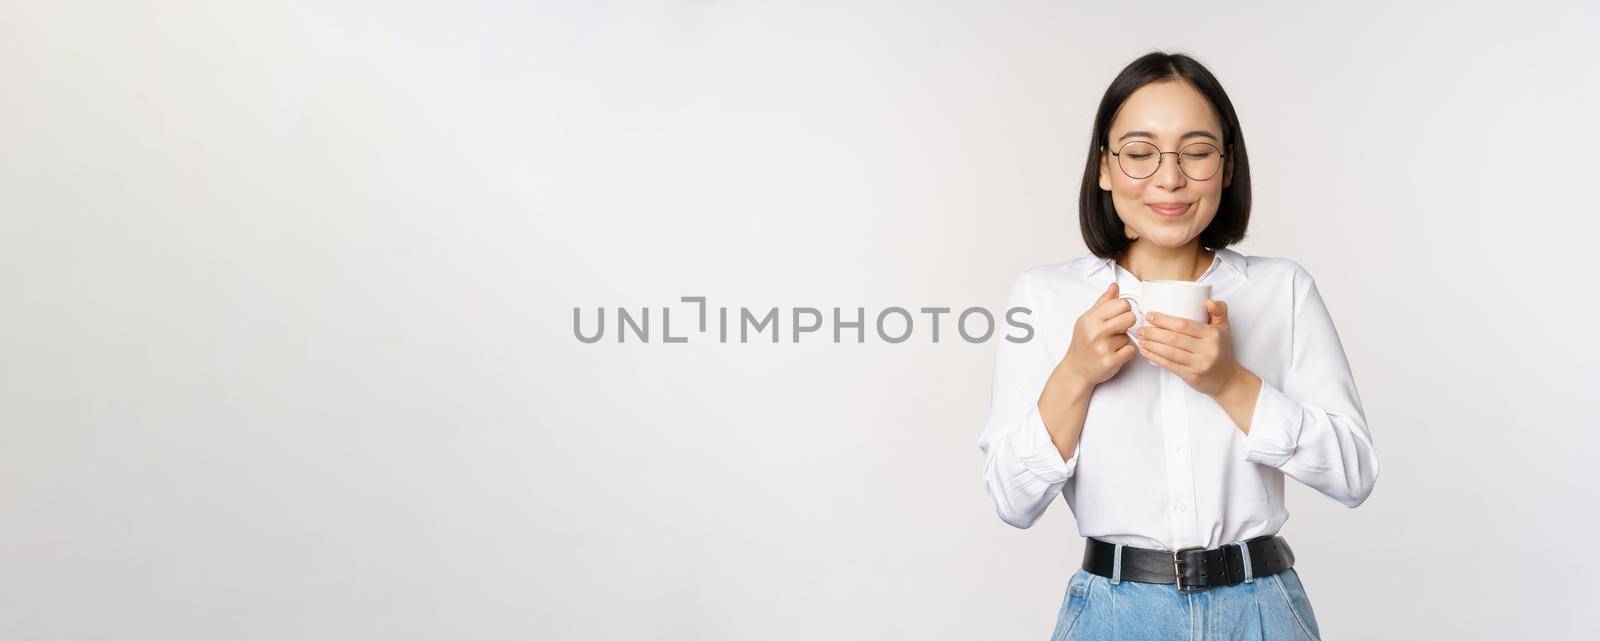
x,y
1183,507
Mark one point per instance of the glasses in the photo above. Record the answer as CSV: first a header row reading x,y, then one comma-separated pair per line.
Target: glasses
x,y
1197,160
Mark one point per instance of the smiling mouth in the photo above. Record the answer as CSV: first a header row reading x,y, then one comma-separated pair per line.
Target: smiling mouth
x,y
1171,211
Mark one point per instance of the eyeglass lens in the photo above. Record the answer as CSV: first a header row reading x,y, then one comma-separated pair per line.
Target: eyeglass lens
x,y
1198,161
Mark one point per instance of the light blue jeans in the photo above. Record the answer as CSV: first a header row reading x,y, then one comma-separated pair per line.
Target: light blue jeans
x,y
1268,608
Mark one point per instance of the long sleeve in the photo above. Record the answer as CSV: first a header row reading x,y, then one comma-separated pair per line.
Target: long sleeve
x,y
1314,428
1022,469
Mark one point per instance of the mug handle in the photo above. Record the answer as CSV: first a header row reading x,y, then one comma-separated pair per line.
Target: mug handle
x,y
1138,318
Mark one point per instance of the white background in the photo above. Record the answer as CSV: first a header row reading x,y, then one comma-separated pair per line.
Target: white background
x,y
286,297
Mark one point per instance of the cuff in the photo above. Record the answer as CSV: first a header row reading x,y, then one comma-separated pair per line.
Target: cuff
x,y
1038,453
1274,428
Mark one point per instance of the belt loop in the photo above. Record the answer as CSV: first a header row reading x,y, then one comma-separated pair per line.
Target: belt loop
x,y
1249,572
1116,566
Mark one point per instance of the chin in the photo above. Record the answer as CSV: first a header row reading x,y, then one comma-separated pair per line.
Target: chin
x,y
1168,242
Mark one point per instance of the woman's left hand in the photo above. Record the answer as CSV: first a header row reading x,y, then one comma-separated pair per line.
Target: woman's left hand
x,y
1200,354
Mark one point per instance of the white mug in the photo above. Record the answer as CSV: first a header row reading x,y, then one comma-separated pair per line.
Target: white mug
x,y
1182,298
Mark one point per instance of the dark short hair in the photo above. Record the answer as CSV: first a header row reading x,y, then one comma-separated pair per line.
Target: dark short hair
x,y
1103,231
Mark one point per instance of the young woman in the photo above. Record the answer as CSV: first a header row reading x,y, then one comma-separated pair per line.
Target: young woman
x,y
1172,452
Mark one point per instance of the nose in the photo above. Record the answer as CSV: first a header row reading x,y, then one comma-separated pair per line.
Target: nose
x,y
1168,175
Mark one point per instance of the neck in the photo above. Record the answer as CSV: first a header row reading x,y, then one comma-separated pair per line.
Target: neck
x,y
1148,261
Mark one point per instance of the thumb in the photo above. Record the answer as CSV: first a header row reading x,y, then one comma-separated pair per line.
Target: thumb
x,y
1218,312
1111,293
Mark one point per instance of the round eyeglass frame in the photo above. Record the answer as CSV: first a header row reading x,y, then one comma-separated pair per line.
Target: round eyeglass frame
x,y
1162,157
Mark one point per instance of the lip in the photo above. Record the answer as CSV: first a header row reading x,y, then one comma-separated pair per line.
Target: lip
x,y
1170,210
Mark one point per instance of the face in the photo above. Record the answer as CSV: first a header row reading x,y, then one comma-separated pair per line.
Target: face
x,y
1170,115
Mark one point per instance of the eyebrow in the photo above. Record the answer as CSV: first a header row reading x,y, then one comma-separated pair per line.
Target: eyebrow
x,y
1198,133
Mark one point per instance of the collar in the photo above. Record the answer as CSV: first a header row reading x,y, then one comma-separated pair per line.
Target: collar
x,y
1234,260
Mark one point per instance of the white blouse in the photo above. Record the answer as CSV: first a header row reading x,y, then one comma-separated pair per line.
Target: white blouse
x,y
1160,465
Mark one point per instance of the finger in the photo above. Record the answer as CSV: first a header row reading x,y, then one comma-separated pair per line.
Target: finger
x,y
1177,324
1113,326
1126,352
1106,308
1168,337
1110,293
1218,312
1120,340
1173,357
1121,322
1159,360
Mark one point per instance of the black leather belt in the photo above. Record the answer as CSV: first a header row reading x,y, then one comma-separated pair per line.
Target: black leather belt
x,y
1193,569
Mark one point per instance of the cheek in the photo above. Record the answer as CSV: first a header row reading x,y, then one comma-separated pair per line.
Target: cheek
x,y
1212,203
1126,188
1125,192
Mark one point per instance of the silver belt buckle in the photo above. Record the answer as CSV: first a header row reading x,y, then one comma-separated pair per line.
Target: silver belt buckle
x,y
1177,569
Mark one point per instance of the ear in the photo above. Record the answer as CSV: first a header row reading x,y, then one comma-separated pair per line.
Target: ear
x,y
1227,172
1105,175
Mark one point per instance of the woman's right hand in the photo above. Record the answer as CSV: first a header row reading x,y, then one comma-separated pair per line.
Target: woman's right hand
x,y
1100,343
1100,347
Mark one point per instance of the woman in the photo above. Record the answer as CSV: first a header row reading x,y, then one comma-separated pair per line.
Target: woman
x,y
1173,462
